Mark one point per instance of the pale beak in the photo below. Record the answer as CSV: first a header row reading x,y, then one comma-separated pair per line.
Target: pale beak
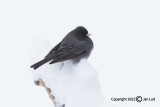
x,y
88,34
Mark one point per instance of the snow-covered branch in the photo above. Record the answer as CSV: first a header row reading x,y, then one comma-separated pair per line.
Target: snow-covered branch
x,y
75,85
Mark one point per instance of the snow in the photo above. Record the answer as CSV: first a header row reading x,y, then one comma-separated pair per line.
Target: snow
x,y
75,85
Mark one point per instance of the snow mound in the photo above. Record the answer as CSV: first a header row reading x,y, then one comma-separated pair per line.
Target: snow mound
x,y
75,85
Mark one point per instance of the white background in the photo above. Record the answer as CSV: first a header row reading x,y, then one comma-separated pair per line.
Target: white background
x,y
126,35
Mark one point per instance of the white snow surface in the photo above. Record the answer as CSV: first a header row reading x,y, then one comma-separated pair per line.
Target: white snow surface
x,y
75,85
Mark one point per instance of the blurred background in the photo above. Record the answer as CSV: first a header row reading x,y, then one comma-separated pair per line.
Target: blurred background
x,y
126,35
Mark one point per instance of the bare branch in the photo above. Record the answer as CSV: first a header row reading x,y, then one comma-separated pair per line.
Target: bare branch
x,y
48,91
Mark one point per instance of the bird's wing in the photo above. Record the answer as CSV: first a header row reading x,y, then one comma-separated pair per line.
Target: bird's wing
x,y
72,44
63,56
69,48
53,50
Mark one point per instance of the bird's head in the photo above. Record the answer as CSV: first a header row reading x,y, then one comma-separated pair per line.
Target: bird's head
x,y
82,31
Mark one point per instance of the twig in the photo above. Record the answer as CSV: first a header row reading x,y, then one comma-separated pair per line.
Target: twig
x,y
48,91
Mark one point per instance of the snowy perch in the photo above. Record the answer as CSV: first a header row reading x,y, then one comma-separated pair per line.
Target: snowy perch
x,y
72,85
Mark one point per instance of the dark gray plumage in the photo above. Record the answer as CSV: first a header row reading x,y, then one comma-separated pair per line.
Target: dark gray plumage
x,y
74,46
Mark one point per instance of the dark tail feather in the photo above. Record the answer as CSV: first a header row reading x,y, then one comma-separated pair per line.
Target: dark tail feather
x,y
38,64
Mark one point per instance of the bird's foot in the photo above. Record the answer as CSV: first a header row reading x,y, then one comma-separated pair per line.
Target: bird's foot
x,y
62,65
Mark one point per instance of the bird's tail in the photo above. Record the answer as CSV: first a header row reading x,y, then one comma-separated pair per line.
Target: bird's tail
x,y
38,64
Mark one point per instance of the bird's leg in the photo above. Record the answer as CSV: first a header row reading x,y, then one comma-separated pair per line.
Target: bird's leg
x,y
62,65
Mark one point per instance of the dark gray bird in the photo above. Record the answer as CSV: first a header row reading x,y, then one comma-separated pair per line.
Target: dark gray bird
x,y
74,46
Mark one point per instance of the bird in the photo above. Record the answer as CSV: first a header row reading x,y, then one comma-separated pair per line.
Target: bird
x,y
76,45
